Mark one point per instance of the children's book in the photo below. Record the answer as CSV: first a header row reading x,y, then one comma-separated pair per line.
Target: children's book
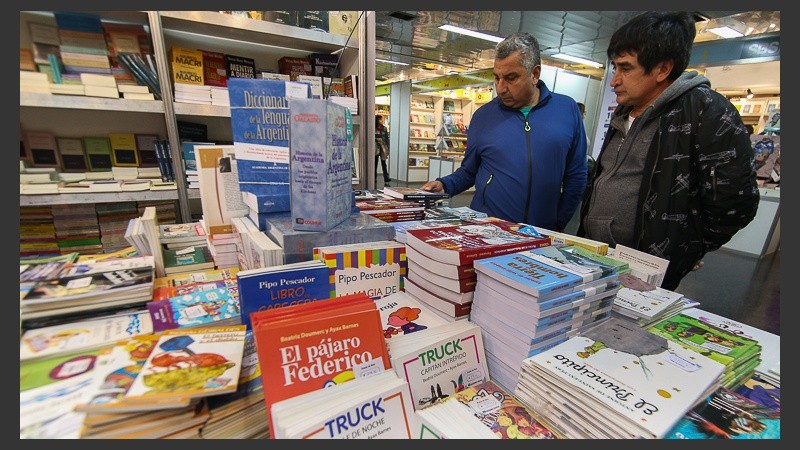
x,y
375,268
196,362
204,307
402,314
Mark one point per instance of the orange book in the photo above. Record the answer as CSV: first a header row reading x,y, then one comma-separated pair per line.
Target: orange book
x,y
311,346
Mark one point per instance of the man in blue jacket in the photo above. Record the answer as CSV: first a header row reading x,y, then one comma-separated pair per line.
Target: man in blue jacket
x,y
526,149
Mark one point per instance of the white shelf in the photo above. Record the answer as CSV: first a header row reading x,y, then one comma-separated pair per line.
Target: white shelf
x,y
416,108
30,99
422,124
100,197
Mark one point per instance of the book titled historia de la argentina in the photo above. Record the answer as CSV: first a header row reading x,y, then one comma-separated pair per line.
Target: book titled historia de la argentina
x,y
321,158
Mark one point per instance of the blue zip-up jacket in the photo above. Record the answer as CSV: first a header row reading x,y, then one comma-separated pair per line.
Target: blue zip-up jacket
x,y
536,176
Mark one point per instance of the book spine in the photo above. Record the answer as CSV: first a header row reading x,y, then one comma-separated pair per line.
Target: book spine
x,y
144,78
168,157
162,162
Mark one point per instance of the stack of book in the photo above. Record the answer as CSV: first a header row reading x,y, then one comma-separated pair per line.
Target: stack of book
x,y
440,260
192,93
99,85
178,236
375,268
426,198
255,249
616,381
525,305
392,210
402,227
37,233
740,355
113,219
77,228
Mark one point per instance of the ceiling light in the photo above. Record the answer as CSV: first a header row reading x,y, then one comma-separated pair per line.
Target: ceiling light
x,y
749,93
475,34
726,32
577,59
391,62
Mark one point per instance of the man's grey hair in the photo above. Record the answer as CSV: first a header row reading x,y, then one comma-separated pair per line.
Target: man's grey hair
x,y
525,44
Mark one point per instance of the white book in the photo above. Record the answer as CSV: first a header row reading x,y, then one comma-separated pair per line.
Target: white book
x,y
402,314
95,79
649,268
375,407
440,362
138,96
132,89
101,91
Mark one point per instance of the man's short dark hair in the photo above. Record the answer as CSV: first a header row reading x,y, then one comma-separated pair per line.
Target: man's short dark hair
x,y
656,36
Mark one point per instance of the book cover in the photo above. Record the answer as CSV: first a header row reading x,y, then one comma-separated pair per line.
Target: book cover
x,y
207,165
409,193
260,124
98,152
82,335
202,307
462,244
498,410
123,149
642,299
240,66
188,259
632,376
561,257
440,362
320,150
146,147
310,346
643,265
43,149
186,65
266,203
375,268
281,286
191,363
601,248
215,70
402,314
376,407
729,415
528,275
173,233
167,292
73,157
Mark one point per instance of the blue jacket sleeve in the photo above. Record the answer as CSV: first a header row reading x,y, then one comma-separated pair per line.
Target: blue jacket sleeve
x,y
575,175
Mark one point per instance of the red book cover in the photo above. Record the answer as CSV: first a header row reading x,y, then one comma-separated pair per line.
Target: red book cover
x,y
215,72
462,244
388,205
311,346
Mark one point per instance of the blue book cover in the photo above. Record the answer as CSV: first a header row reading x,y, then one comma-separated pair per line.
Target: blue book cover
x,y
189,158
280,286
199,308
260,125
529,275
320,168
261,200
562,258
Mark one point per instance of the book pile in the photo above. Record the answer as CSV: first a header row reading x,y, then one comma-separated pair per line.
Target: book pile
x,y
192,93
427,198
375,407
255,249
37,234
615,381
392,210
440,260
401,228
101,285
35,82
223,247
482,411
529,301
99,85
740,355
77,229
113,219
310,346
299,245
178,236
461,212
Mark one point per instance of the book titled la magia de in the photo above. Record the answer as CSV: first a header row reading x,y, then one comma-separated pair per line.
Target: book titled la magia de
x,y
375,268
311,346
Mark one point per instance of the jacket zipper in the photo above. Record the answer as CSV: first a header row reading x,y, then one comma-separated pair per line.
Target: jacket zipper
x,y
486,187
530,170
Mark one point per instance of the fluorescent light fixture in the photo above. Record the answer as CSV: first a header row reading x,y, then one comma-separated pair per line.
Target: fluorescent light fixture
x,y
726,32
577,59
475,34
391,62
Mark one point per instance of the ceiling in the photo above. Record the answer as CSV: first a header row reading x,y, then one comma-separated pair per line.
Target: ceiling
x,y
414,37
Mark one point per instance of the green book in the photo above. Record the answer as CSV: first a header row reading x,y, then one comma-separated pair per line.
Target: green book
x,y
98,151
188,259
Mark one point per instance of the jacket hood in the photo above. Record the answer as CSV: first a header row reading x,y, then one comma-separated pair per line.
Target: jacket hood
x,y
685,82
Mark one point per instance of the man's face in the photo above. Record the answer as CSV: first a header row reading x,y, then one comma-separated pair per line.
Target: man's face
x,y
632,85
512,83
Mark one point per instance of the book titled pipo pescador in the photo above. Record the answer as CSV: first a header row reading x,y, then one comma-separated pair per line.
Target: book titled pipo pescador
x,y
321,158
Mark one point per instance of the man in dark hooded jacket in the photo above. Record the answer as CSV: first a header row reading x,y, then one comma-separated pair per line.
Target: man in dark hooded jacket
x,y
675,176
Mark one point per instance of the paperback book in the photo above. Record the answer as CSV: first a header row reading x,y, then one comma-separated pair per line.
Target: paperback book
x,y
202,307
377,269
402,314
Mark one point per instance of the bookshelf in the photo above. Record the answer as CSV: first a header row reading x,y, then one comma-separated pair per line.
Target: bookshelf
x,y
207,30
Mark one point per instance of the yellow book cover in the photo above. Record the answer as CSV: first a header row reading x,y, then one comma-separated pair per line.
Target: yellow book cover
x,y
123,149
186,65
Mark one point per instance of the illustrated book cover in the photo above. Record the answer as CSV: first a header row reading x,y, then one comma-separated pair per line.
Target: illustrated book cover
x,y
375,268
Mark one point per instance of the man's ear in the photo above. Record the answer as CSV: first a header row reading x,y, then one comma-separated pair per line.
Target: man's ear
x,y
664,68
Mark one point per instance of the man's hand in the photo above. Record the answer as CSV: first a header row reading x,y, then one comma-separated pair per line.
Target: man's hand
x,y
433,186
698,265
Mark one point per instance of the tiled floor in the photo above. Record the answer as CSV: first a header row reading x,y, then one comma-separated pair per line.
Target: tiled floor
x,y
741,288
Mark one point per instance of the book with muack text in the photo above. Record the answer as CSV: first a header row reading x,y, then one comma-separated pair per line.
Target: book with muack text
x,y
321,158
375,268
260,126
